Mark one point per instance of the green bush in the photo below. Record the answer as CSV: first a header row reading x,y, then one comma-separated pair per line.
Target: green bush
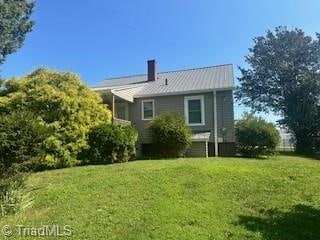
x,y
110,144
60,102
21,139
256,137
11,189
170,134
21,143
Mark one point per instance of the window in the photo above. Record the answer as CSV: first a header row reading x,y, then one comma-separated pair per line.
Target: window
x,y
194,110
147,109
122,110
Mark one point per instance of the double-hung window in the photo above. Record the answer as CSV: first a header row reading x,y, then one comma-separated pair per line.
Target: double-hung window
x,y
147,107
194,110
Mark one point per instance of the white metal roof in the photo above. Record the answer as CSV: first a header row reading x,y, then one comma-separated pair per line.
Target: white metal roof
x,y
123,81
178,82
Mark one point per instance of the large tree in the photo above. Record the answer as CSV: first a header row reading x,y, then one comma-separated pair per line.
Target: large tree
x,y
61,103
284,77
15,23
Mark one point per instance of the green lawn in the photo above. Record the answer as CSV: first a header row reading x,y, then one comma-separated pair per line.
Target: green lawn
x,y
215,198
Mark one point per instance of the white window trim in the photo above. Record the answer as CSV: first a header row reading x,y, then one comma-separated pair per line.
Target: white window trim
x,y
142,109
186,109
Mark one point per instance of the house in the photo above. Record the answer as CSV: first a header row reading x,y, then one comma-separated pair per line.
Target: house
x,y
204,96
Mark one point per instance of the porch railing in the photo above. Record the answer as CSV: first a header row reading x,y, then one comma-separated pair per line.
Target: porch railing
x,y
121,122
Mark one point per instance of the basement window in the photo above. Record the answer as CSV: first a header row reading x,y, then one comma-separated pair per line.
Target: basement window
x,y
147,109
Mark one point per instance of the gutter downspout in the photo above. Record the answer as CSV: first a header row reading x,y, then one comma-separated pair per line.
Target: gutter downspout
x,y
215,123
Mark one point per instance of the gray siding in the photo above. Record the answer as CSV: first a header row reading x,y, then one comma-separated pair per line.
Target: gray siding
x,y
175,103
225,116
198,149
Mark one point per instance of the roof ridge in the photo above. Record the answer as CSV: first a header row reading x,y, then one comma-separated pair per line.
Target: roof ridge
x,y
196,68
178,70
134,75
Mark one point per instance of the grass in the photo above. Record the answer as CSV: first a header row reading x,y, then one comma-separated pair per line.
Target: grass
x,y
215,198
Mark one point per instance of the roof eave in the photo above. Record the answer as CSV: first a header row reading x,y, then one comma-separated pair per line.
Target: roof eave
x,y
119,87
101,89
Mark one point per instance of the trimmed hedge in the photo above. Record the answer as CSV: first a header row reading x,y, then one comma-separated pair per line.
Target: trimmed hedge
x,y
110,144
170,134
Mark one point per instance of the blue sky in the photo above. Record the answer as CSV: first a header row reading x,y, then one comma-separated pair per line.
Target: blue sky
x,y
99,39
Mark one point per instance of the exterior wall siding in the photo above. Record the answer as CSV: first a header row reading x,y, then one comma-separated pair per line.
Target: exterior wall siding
x,y
198,149
175,103
225,116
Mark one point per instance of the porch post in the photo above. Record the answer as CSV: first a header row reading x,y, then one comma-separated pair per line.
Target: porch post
x,y
215,123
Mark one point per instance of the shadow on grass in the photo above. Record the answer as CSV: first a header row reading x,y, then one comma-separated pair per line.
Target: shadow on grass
x,y
301,223
287,153
294,154
252,158
239,156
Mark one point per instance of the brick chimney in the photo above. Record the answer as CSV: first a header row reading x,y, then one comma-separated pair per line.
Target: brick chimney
x,y
152,70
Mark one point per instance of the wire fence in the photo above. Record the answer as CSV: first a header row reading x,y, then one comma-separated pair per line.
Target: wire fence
x,y
287,141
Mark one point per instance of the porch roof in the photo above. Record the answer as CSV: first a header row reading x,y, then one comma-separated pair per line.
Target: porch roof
x,y
126,92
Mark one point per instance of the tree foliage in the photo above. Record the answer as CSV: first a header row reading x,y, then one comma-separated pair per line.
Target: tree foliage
x,y
256,137
108,143
61,103
284,77
21,138
15,23
15,143
170,135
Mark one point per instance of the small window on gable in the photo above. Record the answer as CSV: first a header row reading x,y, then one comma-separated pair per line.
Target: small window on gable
x,y
147,109
194,110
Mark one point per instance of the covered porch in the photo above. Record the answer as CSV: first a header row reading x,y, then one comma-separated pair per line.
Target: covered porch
x,y
119,100
119,108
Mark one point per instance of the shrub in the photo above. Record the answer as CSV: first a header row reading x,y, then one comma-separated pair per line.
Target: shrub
x,y
60,102
21,138
256,137
110,144
170,134
11,189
